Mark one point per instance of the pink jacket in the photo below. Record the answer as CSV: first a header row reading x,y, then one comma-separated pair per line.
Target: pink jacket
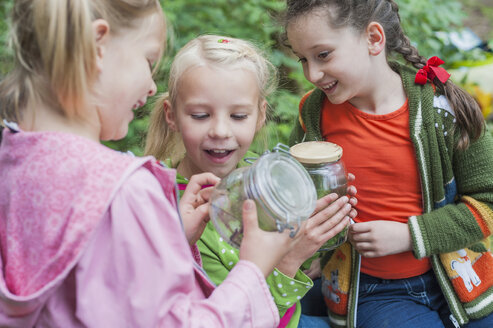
x,y
90,237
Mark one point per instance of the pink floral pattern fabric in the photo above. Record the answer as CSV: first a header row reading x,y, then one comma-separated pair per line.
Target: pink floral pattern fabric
x,y
51,205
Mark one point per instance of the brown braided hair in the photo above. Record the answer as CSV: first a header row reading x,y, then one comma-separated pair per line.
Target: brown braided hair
x,y
358,14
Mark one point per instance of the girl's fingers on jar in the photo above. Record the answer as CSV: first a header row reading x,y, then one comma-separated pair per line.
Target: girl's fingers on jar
x,y
203,196
341,207
323,202
332,209
206,192
335,229
249,216
352,191
197,181
350,177
333,220
353,213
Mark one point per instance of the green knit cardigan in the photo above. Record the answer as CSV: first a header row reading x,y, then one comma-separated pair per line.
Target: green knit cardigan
x,y
450,179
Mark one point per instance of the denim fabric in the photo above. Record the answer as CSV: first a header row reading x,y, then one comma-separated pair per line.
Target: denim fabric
x,y
313,322
415,302
404,303
313,303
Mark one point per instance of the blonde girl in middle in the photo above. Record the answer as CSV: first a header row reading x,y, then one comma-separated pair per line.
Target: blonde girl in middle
x,y
216,103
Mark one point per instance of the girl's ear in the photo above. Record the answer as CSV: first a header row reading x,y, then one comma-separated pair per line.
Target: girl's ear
x,y
170,116
376,38
101,31
261,115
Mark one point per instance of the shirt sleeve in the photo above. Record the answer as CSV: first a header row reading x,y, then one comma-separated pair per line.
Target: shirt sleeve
x,y
219,258
138,271
286,290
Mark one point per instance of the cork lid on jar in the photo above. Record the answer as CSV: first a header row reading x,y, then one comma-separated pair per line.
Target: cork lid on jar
x,y
316,152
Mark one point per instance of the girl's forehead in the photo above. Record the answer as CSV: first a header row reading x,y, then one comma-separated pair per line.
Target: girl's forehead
x,y
151,27
205,79
315,17
224,69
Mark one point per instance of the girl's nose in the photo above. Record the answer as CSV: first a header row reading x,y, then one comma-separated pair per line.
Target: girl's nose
x,y
313,73
153,89
220,129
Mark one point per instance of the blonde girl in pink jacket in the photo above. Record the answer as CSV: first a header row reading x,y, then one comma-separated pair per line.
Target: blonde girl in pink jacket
x,y
90,237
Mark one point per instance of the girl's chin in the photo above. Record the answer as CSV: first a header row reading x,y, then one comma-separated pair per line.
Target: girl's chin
x,y
220,170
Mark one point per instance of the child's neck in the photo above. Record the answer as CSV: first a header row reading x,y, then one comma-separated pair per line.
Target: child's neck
x,y
384,94
47,119
186,170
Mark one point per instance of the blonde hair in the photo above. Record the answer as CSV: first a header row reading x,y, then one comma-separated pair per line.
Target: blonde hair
x,y
55,51
162,142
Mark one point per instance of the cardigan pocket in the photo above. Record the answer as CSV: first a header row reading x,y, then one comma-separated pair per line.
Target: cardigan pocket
x,y
469,271
336,277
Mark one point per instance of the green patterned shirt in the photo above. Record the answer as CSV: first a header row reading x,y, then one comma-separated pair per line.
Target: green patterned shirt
x,y
218,258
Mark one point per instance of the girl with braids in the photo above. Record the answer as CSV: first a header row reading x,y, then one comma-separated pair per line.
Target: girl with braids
x,y
418,253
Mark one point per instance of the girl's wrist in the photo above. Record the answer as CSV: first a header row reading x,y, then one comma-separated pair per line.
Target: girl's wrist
x,y
289,266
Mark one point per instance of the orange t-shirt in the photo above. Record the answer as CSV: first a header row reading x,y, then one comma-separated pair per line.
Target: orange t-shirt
x,y
378,150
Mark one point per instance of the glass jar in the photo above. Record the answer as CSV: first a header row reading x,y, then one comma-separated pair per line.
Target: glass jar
x,y
322,160
282,190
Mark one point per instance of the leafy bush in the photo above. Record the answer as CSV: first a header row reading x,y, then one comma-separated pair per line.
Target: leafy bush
x,y
5,52
254,20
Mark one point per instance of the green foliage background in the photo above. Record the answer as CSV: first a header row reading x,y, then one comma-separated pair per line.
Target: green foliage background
x,y
255,20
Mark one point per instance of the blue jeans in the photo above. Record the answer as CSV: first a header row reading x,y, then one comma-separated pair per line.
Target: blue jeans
x,y
313,303
307,321
407,303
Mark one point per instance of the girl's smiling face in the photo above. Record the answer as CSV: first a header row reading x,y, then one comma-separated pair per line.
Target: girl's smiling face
x,y
217,113
335,60
126,80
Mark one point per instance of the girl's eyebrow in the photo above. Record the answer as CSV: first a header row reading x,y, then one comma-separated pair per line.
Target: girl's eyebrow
x,y
196,104
209,105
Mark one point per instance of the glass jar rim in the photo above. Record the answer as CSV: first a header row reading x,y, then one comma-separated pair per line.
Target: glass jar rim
x,y
290,196
316,152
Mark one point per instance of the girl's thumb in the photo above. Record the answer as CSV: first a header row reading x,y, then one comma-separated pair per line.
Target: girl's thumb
x,y
249,215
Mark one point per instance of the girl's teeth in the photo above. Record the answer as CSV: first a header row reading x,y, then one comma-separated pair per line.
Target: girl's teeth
x,y
330,85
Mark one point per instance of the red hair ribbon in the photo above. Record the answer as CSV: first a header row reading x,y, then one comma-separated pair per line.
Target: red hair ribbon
x,y
223,41
431,70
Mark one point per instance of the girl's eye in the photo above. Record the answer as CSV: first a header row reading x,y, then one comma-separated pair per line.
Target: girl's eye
x,y
323,54
239,117
202,116
302,60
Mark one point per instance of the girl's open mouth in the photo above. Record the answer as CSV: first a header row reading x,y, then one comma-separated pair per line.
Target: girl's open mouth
x,y
330,87
216,153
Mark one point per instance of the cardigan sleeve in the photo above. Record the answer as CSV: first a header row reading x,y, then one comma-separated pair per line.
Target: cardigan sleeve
x,y
469,219
297,133
138,271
